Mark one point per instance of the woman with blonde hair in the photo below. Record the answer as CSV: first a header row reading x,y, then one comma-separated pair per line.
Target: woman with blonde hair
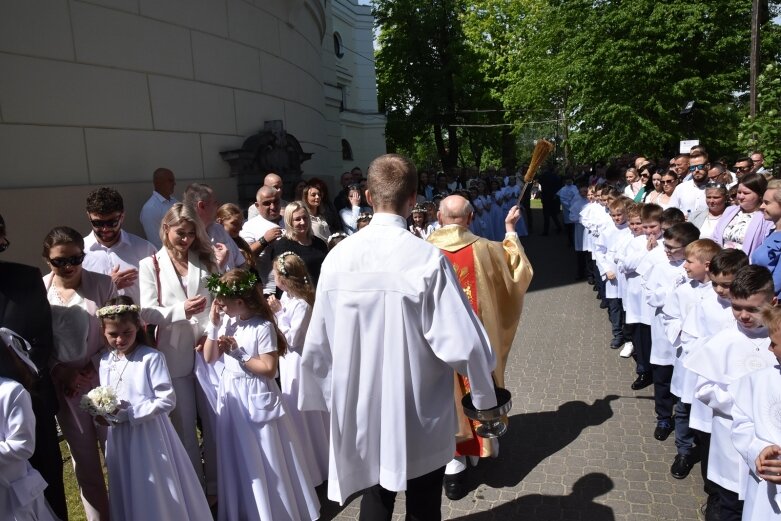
x,y
299,239
174,298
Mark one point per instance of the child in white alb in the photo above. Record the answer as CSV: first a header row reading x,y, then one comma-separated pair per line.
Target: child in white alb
x,y
727,356
21,486
756,429
150,475
262,473
293,312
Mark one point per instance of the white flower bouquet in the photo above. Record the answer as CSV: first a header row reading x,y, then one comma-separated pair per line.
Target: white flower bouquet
x,y
100,401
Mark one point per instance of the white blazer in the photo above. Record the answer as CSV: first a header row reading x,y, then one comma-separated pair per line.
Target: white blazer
x,y
176,335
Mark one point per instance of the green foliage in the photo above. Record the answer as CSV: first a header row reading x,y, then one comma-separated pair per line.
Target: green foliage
x,y
764,132
607,76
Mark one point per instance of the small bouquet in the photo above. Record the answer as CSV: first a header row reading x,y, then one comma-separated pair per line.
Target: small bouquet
x,y
100,401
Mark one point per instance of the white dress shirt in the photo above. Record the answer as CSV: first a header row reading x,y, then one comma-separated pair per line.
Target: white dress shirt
x,y
126,253
152,214
688,198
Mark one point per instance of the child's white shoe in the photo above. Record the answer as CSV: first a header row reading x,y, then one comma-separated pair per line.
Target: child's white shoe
x,y
627,350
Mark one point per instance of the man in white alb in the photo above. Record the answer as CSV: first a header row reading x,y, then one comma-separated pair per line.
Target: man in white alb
x,y
109,249
389,326
158,204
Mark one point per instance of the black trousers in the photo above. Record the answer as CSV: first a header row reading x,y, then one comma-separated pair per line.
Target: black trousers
x,y
663,398
424,499
703,444
730,507
641,338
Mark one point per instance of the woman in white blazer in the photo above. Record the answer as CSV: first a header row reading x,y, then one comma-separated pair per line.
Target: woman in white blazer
x,y
174,297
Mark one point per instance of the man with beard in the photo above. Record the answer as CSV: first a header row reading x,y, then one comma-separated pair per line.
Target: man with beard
x,y
689,196
109,249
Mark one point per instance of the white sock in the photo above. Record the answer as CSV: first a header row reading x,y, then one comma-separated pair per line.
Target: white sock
x,y
456,465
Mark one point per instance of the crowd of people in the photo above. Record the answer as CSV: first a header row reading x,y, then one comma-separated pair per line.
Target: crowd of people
x,y
254,360
685,261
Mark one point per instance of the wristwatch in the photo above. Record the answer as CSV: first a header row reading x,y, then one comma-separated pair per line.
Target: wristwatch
x,y
263,242
244,359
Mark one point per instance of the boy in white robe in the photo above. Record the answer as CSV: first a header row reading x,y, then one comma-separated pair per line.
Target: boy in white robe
x,y
756,429
678,305
660,282
713,314
389,326
619,251
638,313
608,270
577,204
722,360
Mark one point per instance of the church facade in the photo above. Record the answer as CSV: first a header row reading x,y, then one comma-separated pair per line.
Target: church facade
x,y
102,92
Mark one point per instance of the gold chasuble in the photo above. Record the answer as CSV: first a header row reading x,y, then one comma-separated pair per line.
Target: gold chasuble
x,y
495,277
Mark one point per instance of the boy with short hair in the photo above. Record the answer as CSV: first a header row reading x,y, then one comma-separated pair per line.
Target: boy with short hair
x,y
618,252
756,432
637,313
680,304
727,356
712,315
661,280
612,234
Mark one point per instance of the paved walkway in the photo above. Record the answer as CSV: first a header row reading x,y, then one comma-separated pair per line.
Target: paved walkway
x,y
580,443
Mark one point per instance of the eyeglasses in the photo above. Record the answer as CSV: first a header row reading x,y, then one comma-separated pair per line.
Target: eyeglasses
x,y
668,181
671,249
742,168
61,262
105,223
645,175
694,168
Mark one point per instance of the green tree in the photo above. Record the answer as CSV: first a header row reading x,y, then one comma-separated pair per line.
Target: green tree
x,y
764,132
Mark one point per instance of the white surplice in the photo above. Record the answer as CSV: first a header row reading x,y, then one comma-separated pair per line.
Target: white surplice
x,y
21,486
757,424
610,235
389,326
723,359
628,260
658,284
683,302
312,426
149,472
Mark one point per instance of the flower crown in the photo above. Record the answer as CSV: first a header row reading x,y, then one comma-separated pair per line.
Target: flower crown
x,y
281,264
117,309
235,290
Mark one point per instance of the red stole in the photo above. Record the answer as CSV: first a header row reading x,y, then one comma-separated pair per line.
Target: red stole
x,y
463,262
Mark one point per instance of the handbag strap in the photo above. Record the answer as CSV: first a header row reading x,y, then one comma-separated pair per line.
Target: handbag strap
x,y
157,278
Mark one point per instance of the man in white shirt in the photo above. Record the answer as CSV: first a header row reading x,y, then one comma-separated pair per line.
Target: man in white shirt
x,y
201,198
271,180
267,226
389,326
157,205
109,249
689,196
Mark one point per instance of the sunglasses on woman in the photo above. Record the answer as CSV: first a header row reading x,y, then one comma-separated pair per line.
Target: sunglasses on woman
x,y
61,262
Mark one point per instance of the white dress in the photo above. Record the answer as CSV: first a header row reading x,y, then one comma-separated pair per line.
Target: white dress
x,y
21,486
311,426
262,473
150,474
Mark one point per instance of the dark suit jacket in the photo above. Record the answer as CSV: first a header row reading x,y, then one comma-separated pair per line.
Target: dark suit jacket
x,y
25,310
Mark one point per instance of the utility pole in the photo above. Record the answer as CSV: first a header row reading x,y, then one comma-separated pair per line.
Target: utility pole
x,y
754,66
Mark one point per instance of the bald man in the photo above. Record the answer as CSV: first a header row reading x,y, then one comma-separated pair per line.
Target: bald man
x,y
157,205
271,180
494,277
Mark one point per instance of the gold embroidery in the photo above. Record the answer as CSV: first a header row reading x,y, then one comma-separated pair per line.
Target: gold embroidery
x,y
463,279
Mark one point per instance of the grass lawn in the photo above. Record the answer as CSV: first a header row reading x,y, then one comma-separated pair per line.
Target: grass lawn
x,y
536,204
75,508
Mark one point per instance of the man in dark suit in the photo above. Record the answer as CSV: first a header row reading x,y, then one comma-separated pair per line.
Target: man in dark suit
x,y
25,310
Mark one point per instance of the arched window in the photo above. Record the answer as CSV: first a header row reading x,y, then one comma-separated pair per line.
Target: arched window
x,y
347,151
338,50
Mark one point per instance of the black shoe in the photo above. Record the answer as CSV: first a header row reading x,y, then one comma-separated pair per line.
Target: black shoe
x,y
603,304
455,486
616,343
681,466
711,509
662,431
642,381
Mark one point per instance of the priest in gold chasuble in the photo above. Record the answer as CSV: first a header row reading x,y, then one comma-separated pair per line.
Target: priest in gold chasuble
x,y
495,277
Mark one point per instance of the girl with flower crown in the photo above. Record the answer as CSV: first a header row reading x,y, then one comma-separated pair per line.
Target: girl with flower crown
x,y
150,475
262,473
293,312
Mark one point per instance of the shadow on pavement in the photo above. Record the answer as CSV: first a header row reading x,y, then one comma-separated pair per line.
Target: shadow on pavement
x,y
533,437
552,258
539,507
